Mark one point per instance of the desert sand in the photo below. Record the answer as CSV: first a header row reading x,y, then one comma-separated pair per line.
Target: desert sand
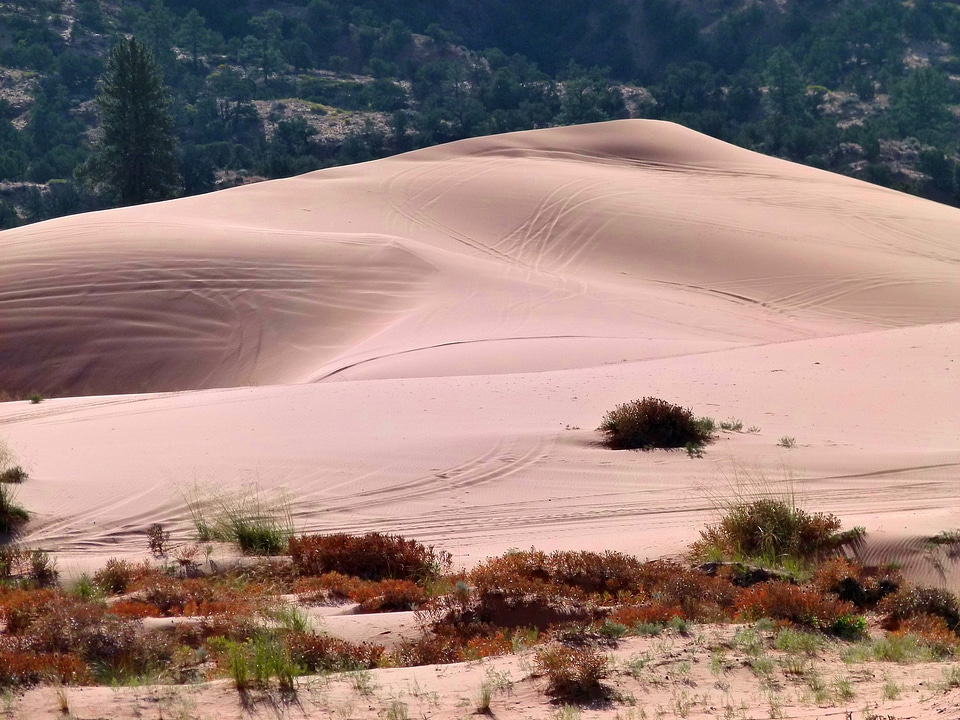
x,y
425,344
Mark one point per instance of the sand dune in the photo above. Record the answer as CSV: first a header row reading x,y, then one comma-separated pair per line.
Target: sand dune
x,y
433,338
525,252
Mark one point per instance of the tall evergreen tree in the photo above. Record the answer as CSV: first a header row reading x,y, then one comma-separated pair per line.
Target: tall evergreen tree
x,y
136,157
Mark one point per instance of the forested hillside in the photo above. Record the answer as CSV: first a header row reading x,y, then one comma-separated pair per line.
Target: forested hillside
x,y
264,89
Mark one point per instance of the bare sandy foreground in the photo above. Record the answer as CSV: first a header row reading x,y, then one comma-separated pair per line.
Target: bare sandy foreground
x,y
425,344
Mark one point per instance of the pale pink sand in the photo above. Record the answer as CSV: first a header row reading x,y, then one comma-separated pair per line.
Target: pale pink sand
x,y
430,340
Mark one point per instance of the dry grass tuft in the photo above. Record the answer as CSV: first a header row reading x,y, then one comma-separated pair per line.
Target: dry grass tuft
x,y
572,673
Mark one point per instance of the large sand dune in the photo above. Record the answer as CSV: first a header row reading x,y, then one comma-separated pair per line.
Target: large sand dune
x,y
525,252
430,340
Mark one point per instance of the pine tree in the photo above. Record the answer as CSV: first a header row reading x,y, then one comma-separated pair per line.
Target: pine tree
x,y
136,157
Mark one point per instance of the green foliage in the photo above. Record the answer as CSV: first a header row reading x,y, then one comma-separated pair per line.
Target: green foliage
x,y
114,577
258,525
798,642
652,423
136,156
12,515
745,74
773,531
30,568
919,103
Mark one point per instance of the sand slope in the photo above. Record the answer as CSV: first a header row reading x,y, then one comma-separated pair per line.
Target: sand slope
x,y
524,252
463,316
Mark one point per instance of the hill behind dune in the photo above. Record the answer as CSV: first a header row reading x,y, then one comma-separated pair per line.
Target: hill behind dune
x,y
543,250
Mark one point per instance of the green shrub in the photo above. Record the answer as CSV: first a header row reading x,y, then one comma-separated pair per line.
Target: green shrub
x,y
27,568
772,531
798,642
259,535
271,659
653,423
257,525
12,515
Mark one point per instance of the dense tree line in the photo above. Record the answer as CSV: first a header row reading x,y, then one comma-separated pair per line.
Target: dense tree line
x,y
414,74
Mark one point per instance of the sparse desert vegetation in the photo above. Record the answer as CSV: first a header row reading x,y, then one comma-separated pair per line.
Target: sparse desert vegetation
x,y
573,609
774,532
257,523
12,514
654,423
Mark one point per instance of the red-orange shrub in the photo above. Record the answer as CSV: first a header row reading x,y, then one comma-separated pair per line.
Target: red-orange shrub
x,y
802,606
391,595
500,643
436,648
382,596
19,608
932,631
373,556
18,668
192,597
909,602
568,574
332,586
322,653
232,627
653,613
134,609
851,581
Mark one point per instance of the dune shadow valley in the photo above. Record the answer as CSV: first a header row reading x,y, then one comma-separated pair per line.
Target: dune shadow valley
x,y
356,444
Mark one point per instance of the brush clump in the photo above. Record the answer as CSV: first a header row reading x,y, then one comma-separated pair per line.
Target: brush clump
x,y
772,530
654,423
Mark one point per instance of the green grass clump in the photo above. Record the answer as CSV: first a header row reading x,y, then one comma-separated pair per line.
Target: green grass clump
x,y
260,659
773,532
905,648
798,642
654,423
12,515
257,526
